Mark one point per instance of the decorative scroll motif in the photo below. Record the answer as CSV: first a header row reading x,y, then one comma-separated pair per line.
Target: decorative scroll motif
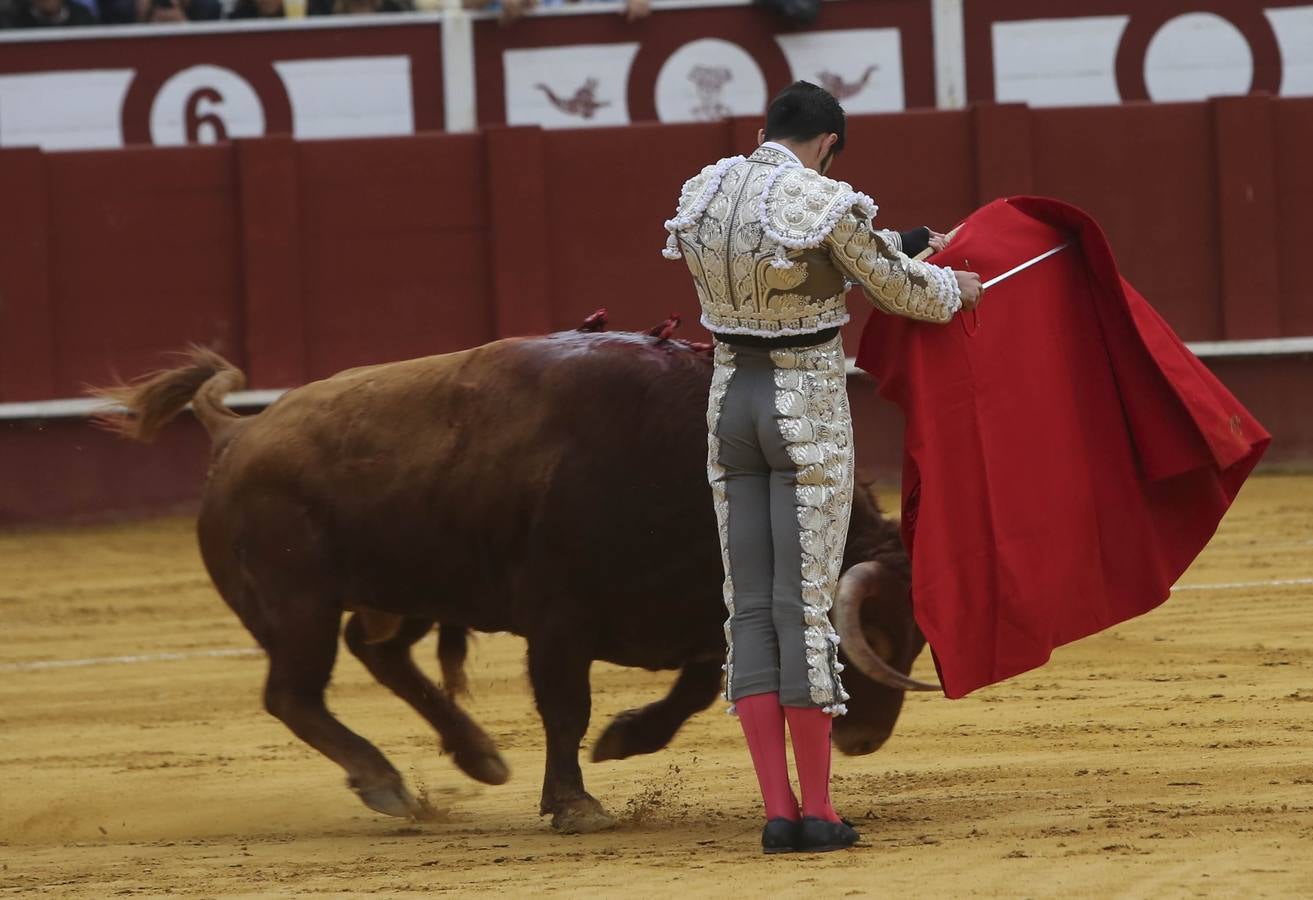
x,y
811,396
770,245
720,380
893,282
785,314
799,208
694,198
893,238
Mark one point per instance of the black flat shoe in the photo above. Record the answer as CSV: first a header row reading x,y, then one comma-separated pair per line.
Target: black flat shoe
x,y
820,836
779,836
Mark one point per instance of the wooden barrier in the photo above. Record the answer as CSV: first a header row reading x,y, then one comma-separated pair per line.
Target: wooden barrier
x,y
298,259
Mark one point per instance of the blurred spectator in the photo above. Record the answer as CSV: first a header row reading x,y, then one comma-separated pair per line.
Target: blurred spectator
x,y
358,7
165,11
117,12
804,11
513,9
258,9
49,13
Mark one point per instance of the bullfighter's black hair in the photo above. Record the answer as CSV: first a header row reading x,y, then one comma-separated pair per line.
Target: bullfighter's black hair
x,y
802,111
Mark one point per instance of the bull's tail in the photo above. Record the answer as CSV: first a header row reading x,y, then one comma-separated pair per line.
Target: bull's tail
x,y
453,646
146,404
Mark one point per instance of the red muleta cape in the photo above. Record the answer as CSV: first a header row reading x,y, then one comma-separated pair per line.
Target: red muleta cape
x,y
1066,457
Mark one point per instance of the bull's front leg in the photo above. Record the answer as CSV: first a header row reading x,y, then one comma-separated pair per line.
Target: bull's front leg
x,y
651,728
559,674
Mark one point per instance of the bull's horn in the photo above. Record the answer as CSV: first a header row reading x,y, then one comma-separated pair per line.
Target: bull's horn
x,y
855,584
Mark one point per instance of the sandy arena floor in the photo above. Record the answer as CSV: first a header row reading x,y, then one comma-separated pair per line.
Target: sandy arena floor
x,y
1170,757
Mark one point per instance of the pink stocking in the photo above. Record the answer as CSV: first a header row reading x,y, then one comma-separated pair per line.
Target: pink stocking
x,y
809,727
762,719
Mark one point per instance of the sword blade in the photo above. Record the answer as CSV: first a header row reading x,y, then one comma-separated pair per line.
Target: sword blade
x,y
1026,265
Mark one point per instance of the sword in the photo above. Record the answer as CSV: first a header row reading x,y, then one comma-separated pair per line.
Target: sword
x,y
928,251
1026,265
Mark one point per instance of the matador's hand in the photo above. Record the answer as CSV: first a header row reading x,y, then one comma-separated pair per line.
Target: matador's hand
x,y
938,241
969,284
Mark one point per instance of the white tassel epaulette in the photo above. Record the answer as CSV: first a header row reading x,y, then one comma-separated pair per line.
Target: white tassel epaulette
x,y
686,216
672,247
824,202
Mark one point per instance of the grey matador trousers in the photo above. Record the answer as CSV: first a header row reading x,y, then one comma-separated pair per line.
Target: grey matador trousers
x,y
780,463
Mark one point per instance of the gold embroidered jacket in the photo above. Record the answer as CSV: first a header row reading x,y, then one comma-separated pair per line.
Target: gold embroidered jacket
x,y
773,247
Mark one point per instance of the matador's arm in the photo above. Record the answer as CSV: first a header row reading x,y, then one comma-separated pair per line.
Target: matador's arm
x,y
916,240
893,281
908,242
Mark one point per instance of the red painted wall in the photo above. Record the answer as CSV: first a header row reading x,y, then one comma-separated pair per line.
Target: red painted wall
x,y
1291,179
299,259
143,249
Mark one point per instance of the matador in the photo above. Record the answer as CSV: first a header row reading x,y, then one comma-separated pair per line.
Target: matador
x,y
773,246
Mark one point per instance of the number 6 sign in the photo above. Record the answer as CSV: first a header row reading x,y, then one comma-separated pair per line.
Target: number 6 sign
x,y
204,105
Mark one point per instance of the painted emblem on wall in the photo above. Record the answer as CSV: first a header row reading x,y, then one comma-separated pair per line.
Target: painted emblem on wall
x,y
710,81
863,67
567,87
583,103
668,76
835,84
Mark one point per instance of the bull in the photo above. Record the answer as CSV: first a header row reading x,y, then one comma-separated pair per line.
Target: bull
x,y
552,487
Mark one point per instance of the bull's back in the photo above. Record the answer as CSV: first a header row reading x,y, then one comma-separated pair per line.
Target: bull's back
x,y
519,403
476,467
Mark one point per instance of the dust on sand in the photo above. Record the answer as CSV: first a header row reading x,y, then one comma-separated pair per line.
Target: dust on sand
x,y
1171,756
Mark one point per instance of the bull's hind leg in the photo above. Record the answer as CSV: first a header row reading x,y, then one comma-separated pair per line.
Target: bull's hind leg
x,y
268,558
651,728
302,651
559,673
391,663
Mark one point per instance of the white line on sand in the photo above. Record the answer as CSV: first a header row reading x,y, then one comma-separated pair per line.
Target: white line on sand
x,y
1233,585
43,664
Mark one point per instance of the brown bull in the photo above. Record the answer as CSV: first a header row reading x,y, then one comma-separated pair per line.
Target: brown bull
x,y
551,487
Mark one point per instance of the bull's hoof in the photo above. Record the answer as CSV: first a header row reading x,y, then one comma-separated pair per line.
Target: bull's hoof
x,y
583,816
622,739
392,799
483,764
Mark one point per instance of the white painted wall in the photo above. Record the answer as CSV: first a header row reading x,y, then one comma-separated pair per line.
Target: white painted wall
x,y
1044,62
1058,62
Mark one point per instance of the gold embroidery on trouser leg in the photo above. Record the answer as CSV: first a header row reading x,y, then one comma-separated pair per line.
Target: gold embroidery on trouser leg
x,y
720,379
811,395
